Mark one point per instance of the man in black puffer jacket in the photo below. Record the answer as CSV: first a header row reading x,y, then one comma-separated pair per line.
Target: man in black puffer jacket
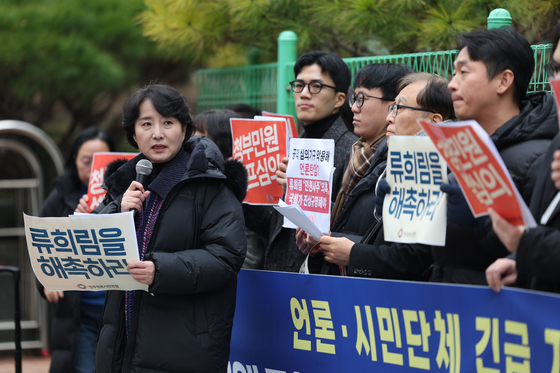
x,y
492,73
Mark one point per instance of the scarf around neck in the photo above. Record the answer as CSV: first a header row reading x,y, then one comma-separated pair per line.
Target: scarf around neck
x,y
360,161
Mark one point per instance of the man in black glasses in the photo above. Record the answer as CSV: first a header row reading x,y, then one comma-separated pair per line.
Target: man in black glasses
x,y
320,86
491,75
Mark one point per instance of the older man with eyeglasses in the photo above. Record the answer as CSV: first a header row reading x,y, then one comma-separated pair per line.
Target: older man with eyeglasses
x,y
368,255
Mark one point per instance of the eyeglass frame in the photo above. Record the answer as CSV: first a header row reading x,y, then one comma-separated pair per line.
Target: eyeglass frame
x,y
552,68
352,99
309,85
394,109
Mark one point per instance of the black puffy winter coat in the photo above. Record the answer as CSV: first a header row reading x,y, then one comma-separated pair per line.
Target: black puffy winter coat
x,y
198,246
538,254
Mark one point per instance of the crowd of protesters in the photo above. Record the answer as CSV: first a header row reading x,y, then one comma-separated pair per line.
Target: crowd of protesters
x,y
191,269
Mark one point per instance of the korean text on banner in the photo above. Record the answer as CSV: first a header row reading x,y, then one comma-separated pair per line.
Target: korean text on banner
x,y
309,179
480,170
415,209
84,252
347,324
97,175
292,129
260,145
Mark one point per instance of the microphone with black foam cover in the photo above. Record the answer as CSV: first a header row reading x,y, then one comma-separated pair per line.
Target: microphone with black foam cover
x,y
143,170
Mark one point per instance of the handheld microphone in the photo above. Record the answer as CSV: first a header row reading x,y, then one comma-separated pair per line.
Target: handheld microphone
x,y
143,170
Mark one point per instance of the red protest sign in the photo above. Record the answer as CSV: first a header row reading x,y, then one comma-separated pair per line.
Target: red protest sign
x,y
292,129
97,175
479,168
260,145
555,83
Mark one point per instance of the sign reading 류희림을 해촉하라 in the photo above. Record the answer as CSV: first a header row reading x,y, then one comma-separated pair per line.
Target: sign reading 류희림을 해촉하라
x,y
480,170
414,211
83,252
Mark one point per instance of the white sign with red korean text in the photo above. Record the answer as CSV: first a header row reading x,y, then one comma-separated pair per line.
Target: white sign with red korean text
x,y
83,252
414,211
309,179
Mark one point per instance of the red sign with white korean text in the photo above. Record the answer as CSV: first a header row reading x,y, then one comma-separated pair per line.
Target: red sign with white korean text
x,y
479,168
292,129
97,175
555,83
260,145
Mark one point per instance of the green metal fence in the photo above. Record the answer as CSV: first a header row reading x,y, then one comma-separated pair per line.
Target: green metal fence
x,y
256,84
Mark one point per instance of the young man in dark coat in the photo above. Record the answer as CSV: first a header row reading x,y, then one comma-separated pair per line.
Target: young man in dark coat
x,y
536,252
492,73
320,87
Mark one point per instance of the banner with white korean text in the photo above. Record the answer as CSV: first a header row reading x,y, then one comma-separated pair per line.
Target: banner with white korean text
x,y
83,252
97,175
292,129
415,209
289,322
260,144
480,170
309,179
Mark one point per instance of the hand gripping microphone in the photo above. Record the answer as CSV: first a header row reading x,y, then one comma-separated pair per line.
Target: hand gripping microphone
x,y
143,170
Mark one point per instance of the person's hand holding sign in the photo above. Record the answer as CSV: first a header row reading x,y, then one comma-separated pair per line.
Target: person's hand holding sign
x,y
281,173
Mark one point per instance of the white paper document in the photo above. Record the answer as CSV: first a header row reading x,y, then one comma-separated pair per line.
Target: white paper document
x,y
297,216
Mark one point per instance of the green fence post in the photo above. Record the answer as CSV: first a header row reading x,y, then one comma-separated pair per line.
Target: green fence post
x,y
498,18
287,53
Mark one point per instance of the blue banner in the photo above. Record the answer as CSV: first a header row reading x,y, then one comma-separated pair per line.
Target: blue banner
x,y
288,322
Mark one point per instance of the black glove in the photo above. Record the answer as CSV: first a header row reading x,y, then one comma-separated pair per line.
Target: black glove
x,y
382,189
458,210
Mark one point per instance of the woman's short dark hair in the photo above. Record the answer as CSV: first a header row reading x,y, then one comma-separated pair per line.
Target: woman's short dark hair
x,y
167,101
216,125
90,133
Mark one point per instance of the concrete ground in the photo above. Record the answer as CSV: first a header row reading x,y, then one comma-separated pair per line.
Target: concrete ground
x,y
32,362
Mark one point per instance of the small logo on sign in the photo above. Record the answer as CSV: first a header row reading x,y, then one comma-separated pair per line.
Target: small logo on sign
x,y
82,286
400,233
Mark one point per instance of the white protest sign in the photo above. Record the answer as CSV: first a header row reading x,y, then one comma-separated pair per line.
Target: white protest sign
x,y
86,252
415,209
309,179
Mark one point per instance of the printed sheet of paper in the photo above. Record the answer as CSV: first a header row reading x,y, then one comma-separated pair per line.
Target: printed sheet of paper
x,y
292,129
415,209
86,252
260,144
480,170
97,175
309,179
297,216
